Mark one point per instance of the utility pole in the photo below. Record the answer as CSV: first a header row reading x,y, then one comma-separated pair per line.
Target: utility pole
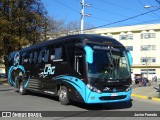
x,y
83,15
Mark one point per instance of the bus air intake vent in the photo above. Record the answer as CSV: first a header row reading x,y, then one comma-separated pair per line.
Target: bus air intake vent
x,y
113,97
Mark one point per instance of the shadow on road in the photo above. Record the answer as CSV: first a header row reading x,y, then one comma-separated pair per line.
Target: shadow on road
x,y
107,106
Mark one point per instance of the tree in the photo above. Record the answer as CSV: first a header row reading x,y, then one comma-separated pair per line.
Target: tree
x,y
57,28
21,23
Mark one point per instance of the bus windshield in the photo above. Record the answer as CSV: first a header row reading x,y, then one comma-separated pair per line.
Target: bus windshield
x,y
109,63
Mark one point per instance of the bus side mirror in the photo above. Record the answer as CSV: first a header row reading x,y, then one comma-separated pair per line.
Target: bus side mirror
x,y
129,58
89,54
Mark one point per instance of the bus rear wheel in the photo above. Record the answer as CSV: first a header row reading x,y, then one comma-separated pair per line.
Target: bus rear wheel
x,y
63,96
22,91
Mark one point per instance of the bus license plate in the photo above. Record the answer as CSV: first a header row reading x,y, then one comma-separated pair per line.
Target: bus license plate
x,y
114,94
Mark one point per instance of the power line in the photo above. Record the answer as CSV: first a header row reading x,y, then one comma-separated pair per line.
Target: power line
x,y
107,11
125,19
144,22
119,21
157,1
148,9
114,4
62,33
100,18
67,6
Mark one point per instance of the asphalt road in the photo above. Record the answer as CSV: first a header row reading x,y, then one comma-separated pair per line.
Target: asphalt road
x,y
11,100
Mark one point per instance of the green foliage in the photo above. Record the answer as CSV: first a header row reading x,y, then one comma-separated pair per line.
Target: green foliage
x,y
21,22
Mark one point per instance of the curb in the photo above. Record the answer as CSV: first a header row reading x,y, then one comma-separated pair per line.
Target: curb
x,y
145,97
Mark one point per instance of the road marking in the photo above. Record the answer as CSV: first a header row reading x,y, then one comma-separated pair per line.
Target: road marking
x,y
139,96
145,97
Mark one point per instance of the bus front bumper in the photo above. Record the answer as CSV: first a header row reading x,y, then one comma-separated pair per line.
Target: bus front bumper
x,y
94,97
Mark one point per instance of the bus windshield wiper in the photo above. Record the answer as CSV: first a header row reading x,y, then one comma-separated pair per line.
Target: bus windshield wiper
x,y
113,61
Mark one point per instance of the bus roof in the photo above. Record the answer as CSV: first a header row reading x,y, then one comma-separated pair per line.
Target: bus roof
x,y
79,38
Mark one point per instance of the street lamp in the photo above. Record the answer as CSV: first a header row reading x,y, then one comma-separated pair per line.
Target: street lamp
x,y
150,6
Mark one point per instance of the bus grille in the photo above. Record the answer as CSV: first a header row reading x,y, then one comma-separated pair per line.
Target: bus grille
x,y
113,97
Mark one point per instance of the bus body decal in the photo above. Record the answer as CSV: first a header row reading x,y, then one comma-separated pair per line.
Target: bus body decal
x,y
26,84
87,94
12,82
48,70
9,75
76,83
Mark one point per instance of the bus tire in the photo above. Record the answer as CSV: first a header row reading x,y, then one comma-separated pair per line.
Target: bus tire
x,y
63,96
22,91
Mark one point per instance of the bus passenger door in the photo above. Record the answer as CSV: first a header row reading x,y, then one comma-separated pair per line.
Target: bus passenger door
x,y
79,64
80,68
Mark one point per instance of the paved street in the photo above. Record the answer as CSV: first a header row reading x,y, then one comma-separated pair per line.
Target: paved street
x,y
11,100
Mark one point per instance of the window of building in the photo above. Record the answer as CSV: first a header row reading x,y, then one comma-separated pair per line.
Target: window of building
x,y
148,35
130,36
148,59
126,37
148,47
123,37
130,48
148,71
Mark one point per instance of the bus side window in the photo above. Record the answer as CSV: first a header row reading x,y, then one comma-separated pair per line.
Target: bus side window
x,y
23,57
40,57
70,53
58,53
26,58
52,55
43,55
31,57
46,55
35,57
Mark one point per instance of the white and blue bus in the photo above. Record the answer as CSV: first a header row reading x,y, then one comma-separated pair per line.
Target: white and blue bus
x,y
84,68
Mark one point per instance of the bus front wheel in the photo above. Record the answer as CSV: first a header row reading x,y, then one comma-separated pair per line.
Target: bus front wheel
x,y
63,96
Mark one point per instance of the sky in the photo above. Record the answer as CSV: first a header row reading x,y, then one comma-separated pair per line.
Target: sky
x,y
105,13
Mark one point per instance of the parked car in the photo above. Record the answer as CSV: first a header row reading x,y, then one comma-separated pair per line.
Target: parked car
x,y
137,78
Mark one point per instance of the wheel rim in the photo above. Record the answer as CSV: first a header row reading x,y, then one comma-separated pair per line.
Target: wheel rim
x,y
63,94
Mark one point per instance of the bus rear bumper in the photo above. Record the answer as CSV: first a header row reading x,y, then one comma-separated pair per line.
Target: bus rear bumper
x,y
108,97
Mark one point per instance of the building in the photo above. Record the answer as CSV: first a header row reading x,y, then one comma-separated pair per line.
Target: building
x,y
143,41
2,68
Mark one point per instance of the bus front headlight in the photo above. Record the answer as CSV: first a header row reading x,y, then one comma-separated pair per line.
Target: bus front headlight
x,y
94,89
129,88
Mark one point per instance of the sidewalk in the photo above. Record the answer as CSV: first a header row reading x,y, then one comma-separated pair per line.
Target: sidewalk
x,y
147,92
